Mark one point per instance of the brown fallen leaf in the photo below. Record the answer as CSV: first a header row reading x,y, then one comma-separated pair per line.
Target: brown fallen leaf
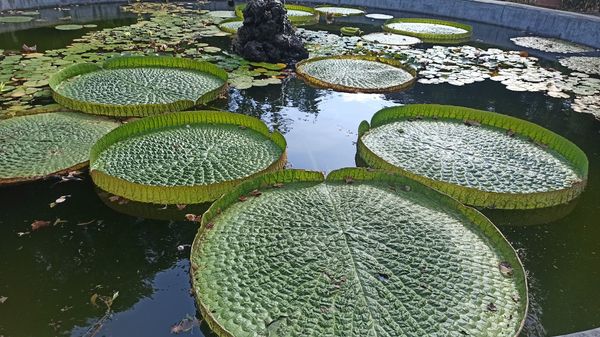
x,y
39,224
255,193
28,49
193,217
243,198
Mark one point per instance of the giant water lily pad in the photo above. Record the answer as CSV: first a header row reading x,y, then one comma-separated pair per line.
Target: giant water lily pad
x,y
430,30
184,158
33,147
15,19
339,11
480,158
137,86
585,64
360,254
550,44
297,14
392,39
69,27
357,73
231,25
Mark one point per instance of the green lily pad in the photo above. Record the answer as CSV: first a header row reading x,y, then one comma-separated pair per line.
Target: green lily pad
x,y
550,44
69,27
36,146
480,158
392,39
359,254
339,11
15,19
222,14
356,73
270,66
138,86
430,30
231,25
584,64
297,14
186,157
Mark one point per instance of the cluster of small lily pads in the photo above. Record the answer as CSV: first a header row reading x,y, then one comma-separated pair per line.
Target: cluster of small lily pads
x,y
25,75
463,65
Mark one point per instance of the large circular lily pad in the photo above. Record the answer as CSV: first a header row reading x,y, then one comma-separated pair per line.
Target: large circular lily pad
x,y
360,254
480,158
392,39
357,73
550,45
137,86
36,146
585,64
184,158
430,30
231,25
297,14
15,19
339,11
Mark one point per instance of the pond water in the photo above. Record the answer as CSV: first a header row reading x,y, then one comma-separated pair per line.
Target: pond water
x,y
48,277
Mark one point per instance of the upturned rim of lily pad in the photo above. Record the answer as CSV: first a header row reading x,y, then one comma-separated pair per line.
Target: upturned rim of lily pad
x,y
295,20
469,195
338,87
179,194
138,110
432,38
278,179
226,29
362,10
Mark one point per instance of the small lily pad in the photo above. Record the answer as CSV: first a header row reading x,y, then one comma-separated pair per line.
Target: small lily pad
x,y
15,19
69,27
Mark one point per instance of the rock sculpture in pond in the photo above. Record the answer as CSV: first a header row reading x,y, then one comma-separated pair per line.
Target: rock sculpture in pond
x,y
267,35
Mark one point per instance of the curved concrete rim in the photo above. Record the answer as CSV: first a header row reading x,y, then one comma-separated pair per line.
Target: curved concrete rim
x,y
575,27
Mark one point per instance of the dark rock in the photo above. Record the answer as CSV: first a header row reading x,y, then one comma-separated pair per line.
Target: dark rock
x,y
267,35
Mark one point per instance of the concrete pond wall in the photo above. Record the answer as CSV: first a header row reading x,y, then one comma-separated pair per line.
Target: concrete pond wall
x,y
574,27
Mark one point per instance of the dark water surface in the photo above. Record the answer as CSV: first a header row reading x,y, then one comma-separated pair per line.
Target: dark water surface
x,y
50,275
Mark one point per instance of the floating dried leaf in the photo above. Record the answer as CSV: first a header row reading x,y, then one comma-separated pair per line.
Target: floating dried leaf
x,y
39,224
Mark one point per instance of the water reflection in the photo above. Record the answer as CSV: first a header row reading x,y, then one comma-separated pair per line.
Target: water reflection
x,y
50,274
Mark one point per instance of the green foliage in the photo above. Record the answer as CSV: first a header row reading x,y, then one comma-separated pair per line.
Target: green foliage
x,y
34,147
185,157
431,37
137,85
351,31
479,171
361,252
